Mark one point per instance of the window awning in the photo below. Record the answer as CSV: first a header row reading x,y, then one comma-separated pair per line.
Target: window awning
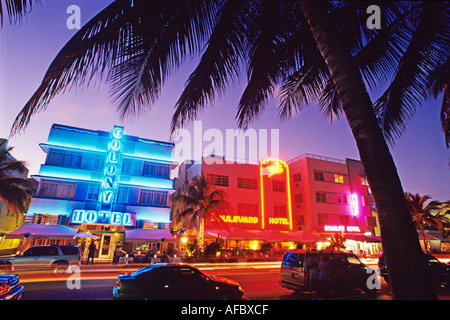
x,y
142,235
42,231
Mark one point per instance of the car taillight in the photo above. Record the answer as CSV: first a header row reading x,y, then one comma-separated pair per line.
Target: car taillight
x,y
4,288
119,285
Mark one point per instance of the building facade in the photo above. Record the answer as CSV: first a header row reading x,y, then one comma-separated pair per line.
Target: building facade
x,y
313,193
259,200
331,195
108,184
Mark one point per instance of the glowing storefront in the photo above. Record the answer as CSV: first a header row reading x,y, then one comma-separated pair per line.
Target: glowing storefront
x,y
104,183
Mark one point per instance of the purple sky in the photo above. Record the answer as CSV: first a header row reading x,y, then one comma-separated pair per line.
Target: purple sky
x,y
28,49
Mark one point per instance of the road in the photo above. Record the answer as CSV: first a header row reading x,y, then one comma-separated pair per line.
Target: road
x,y
259,282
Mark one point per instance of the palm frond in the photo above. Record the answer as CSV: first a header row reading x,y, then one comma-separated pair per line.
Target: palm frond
x,y
397,104
167,36
219,63
14,196
439,82
121,39
15,9
267,57
89,52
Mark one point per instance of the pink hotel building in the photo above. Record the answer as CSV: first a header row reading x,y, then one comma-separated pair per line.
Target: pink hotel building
x,y
317,194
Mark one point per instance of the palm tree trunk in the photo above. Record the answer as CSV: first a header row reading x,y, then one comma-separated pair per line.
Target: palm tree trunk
x,y
404,256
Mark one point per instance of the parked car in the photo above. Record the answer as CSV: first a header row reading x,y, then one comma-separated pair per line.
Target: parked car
x,y
346,271
55,258
438,271
169,281
10,287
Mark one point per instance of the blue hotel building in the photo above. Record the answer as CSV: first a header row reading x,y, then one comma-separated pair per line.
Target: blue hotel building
x,y
109,184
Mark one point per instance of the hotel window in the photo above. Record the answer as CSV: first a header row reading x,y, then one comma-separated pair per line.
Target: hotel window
x,y
58,189
99,163
278,186
368,201
345,220
364,182
279,211
219,180
318,176
122,195
372,222
155,198
93,191
146,224
245,183
300,220
156,169
297,177
338,178
126,167
40,218
321,197
341,198
322,219
298,198
64,159
246,209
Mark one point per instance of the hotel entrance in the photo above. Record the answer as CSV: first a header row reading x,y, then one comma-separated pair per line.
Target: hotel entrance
x,y
108,238
105,248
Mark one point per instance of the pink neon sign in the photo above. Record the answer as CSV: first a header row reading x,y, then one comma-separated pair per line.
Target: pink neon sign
x,y
354,204
341,228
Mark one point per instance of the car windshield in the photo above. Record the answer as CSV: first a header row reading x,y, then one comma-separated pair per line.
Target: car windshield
x,y
353,260
141,271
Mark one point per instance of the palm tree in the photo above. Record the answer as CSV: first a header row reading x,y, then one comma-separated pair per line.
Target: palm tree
x,y
421,213
12,190
202,202
298,45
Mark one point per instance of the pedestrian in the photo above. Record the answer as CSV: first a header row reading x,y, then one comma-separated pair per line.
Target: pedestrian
x,y
312,269
91,253
164,257
117,254
152,252
324,288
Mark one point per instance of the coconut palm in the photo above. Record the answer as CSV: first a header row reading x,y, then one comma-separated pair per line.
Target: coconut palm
x,y
12,188
136,45
202,202
422,213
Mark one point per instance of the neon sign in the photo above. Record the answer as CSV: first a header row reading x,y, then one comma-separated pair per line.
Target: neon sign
x,y
278,221
269,167
272,166
103,217
341,228
109,181
239,219
354,204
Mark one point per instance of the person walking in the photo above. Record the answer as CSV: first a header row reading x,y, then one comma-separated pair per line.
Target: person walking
x,y
324,289
312,269
118,253
91,253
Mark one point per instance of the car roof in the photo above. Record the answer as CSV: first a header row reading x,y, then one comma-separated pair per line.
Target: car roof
x,y
317,251
162,266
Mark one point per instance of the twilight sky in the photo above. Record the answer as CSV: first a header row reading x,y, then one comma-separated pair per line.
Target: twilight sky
x,y
28,49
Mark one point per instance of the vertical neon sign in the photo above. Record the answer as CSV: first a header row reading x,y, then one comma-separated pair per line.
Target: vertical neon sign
x,y
111,172
272,167
354,204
